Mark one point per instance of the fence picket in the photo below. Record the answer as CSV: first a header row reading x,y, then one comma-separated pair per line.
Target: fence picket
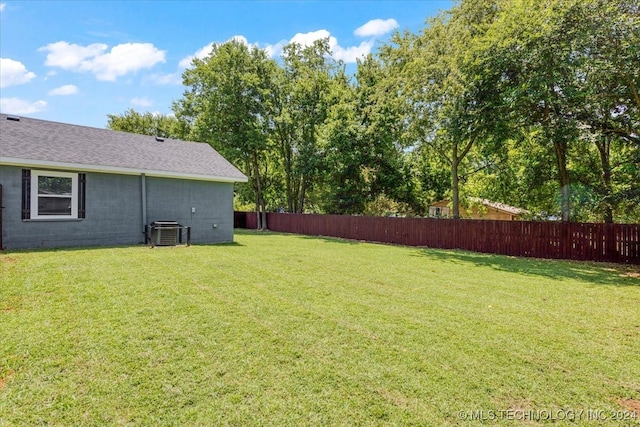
x,y
588,242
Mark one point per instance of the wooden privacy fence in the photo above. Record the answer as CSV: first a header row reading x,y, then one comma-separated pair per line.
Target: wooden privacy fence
x,y
618,243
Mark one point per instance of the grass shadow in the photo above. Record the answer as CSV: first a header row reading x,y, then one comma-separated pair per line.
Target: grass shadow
x,y
70,249
231,244
327,239
592,272
99,248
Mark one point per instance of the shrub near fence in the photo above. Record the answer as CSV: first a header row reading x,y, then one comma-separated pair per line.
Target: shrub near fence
x,y
618,243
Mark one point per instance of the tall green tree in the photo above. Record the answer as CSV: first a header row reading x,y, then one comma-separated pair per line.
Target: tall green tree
x,y
380,115
227,104
448,97
363,161
344,189
299,110
148,124
609,50
568,71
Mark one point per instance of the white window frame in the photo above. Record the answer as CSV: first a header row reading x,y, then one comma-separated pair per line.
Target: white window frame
x,y
439,212
35,174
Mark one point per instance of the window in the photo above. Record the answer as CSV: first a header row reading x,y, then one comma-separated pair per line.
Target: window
x,y
438,212
52,195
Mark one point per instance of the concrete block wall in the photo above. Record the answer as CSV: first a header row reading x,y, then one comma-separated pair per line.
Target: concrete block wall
x,y
114,211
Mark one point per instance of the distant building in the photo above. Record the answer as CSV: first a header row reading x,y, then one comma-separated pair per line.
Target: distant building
x,y
479,209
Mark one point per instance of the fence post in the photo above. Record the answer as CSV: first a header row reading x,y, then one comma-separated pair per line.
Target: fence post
x,y
559,240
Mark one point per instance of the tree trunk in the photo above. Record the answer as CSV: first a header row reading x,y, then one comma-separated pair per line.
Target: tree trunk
x,y
259,197
257,212
303,191
455,188
263,223
604,147
295,196
288,171
563,179
455,182
288,184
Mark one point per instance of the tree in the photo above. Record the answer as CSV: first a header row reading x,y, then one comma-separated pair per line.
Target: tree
x,y
344,189
383,132
227,105
363,163
568,71
148,124
609,110
300,108
447,95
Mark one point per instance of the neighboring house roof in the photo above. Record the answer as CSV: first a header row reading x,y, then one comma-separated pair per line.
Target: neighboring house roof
x,y
40,143
499,206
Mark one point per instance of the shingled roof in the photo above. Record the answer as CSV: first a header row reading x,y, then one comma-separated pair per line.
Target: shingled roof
x,y
33,142
499,206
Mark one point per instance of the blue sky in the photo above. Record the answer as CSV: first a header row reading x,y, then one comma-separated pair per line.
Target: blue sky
x,y
77,61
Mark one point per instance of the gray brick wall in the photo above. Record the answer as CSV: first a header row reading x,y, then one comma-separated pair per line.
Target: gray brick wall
x,y
172,199
114,211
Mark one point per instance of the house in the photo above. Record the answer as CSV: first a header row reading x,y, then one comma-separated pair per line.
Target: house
x,y
67,185
478,209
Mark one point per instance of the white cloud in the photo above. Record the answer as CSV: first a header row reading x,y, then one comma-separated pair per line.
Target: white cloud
x,y
346,54
200,54
205,50
108,66
20,106
274,50
71,56
351,54
376,27
64,90
241,39
160,113
2,6
14,73
126,58
141,102
307,39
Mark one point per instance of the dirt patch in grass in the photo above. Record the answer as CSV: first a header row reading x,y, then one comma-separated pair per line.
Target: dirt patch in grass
x,y
9,260
10,305
520,406
631,404
4,379
395,397
623,270
631,274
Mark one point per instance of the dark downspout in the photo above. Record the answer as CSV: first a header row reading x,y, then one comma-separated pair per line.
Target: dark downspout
x,y
143,195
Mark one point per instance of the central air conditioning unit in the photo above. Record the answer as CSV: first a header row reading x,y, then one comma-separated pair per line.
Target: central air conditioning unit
x,y
166,233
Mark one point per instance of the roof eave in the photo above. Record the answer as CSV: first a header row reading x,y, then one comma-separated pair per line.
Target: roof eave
x,y
13,161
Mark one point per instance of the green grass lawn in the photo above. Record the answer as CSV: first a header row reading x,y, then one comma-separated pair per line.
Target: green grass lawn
x,y
280,329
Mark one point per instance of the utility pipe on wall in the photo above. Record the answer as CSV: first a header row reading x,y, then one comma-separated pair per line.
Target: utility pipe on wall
x,y
143,195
